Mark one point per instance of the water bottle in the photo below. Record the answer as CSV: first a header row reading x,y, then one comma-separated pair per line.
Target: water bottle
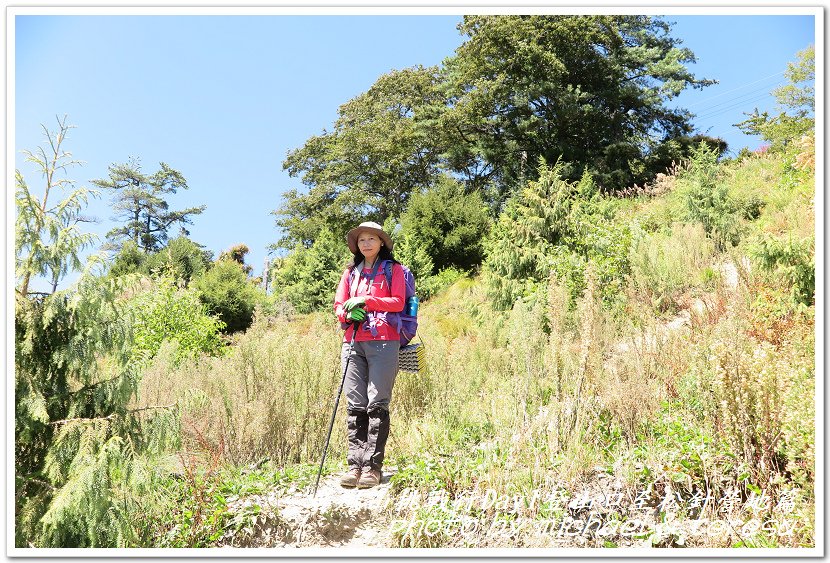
x,y
412,306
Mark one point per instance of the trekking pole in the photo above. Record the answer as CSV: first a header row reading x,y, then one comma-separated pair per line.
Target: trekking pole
x,y
336,404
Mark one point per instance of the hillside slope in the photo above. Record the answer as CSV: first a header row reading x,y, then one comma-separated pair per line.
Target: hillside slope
x,y
680,414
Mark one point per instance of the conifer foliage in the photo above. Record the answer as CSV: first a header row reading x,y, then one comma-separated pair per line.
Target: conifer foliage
x,y
48,241
554,226
307,278
83,458
138,198
523,239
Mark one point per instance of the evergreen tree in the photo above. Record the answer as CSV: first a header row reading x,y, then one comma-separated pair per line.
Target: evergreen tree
x,y
229,294
48,242
415,257
182,258
84,459
448,224
308,277
139,202
708,200
555,226
590,90
522,241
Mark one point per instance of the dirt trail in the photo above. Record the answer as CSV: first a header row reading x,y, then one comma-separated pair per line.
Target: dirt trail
x,y
335,517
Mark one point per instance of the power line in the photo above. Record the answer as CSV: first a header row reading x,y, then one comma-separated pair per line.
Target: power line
x,y
765,89
730,108
734,102
738,88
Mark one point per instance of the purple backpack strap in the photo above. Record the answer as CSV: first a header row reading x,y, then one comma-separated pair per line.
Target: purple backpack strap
x,y
387,268
353,274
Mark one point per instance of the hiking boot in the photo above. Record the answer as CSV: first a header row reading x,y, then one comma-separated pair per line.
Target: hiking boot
x,y
351,478
369,479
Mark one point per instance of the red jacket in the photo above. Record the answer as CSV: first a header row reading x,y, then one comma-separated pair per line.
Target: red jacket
x,y
380,297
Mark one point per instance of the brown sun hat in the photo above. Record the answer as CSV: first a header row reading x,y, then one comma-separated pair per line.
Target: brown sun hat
x,y
372,227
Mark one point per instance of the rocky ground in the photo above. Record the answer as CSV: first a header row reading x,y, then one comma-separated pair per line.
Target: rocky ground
x,y
334,517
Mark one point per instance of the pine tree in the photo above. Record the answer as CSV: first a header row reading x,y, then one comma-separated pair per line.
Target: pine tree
x,y
138,198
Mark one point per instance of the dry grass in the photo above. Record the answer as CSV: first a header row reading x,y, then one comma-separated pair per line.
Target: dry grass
x,y
665,265
271,396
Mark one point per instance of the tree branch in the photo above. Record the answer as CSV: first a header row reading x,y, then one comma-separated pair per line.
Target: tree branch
x,y
113,415
38,481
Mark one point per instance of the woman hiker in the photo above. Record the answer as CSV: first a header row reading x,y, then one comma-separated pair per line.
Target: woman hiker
x,y
363,298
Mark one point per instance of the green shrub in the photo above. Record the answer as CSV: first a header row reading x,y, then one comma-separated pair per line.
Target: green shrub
x,y
229,294
449,224
181,258
414,256
129,260
167,312
603,242
708,200
790,259
308,277
556,226
750,207
429,286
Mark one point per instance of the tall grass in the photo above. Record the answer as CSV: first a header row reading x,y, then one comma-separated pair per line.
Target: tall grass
x,y
271,396
665,264
695,402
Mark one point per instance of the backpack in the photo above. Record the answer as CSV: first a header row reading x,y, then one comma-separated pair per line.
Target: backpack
x,y
405,323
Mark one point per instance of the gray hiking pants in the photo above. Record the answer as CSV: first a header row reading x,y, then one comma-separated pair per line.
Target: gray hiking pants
x,y
368,387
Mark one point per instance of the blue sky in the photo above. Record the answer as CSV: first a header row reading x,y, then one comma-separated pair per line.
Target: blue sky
x,y
223,98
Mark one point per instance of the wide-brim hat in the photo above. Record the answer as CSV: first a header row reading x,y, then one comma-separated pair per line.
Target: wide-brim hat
x,y
372,227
